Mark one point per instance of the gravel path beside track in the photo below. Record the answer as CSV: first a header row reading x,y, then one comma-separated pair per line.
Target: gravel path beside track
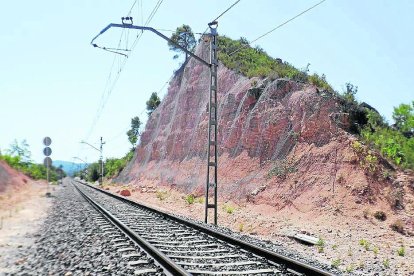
x,y
71,242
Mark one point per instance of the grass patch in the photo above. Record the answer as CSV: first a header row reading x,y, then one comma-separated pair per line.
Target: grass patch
x,y
229,208
336,263
350,268
386,263
320,245
161,195
349,251
199,200
364,243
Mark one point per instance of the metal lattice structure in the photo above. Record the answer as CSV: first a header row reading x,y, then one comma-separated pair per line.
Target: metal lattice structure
x,y
212,158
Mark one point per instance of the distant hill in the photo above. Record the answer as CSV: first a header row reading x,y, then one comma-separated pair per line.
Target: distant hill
x,y
69,167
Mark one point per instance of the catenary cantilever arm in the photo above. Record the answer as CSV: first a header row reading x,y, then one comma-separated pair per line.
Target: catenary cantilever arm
x,y
130,26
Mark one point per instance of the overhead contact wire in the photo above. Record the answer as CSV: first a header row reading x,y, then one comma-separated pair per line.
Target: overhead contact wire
x,y
277,27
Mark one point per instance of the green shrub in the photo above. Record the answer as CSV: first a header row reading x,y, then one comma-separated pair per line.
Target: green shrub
x,y
189,199
380,215
320,81
370,163
320,245
401,251
282,168
357,147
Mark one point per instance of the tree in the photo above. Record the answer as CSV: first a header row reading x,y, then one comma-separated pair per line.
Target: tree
x,y
21,150
153,102
184,37
244,41
133,133
403,116
350,91
94,172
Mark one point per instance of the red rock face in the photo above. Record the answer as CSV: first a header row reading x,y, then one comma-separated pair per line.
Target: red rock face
x,y
278,136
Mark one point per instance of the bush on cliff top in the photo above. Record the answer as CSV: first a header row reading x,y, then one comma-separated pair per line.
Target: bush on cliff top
x,y
255,62
394,142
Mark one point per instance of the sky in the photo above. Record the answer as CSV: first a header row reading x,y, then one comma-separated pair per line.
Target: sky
x,y
53,82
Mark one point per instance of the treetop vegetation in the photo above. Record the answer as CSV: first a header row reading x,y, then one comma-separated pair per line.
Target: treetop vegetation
x,y
153,102
133,133
112,168
184,37
239,56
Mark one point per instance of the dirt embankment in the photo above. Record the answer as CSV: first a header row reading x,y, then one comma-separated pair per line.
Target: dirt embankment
x,y
23,207
10,178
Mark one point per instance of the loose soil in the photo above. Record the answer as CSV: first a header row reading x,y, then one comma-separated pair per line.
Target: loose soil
x,y
22,211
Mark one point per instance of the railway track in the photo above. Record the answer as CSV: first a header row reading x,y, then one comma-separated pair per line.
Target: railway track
x,y
180,247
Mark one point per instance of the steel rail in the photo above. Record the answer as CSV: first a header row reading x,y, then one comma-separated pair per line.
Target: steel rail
x,y
160,257
275,257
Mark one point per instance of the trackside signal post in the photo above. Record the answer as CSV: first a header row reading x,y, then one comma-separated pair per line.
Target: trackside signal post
x,y
212,155
47,151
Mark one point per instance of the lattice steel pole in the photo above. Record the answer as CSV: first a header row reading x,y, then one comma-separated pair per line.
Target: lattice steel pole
x,y
212,158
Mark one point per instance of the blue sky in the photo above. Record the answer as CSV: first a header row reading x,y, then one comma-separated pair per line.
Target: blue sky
x,y
52,80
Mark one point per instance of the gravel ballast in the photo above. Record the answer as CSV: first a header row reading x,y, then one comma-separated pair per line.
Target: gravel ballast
x,y
77,240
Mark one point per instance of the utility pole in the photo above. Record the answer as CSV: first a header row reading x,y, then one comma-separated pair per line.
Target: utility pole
x,y
100,157
102,164
212,160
